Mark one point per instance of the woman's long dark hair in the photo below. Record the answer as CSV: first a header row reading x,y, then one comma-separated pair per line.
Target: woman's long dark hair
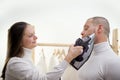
x,y
14,48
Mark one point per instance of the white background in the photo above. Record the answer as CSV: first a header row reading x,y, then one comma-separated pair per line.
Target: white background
x,y
56,21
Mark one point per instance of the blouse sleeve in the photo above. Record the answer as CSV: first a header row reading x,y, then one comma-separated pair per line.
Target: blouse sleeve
x,y
23,70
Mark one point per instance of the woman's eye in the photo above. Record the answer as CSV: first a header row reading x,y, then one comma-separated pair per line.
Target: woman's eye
x,y
30,35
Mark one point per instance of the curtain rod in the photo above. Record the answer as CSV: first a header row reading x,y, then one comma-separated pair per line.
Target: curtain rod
x,y
53,44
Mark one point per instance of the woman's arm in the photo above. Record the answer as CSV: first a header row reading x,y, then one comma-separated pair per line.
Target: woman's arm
x,y
19,68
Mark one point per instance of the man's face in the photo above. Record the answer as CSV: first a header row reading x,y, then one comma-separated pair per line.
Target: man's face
x,y
88,29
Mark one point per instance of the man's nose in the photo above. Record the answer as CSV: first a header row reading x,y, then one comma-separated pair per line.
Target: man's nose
x,y
82,33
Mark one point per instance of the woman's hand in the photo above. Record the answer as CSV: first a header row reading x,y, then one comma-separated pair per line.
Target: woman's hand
x,y
73,52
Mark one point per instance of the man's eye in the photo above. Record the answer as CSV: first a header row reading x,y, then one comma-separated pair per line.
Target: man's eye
x,y
85,28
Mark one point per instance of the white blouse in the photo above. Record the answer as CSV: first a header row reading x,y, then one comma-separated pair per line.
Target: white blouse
x,y
23,69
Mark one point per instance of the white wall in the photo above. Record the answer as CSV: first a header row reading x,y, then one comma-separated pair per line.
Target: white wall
x,y
55,20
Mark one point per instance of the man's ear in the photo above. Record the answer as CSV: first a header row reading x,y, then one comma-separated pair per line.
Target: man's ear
x,y
100,28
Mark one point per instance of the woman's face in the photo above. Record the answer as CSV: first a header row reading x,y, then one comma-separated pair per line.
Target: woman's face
x,y
29,37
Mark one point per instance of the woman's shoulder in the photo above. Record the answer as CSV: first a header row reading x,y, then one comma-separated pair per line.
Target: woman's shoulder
x,y
16,61
19,68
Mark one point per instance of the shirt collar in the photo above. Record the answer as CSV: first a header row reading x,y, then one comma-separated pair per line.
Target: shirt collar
x,y
100,47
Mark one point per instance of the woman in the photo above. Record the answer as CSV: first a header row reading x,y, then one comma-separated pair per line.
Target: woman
x,y
18,66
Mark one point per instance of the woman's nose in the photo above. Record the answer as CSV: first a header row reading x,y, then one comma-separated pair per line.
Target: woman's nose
x,y
35,37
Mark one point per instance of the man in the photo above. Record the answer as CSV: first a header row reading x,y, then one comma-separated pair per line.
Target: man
x,y
103,63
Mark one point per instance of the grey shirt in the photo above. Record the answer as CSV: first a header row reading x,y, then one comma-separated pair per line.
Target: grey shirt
x,y
103,64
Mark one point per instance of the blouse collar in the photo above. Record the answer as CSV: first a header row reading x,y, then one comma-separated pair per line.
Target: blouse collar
x,y
27,53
